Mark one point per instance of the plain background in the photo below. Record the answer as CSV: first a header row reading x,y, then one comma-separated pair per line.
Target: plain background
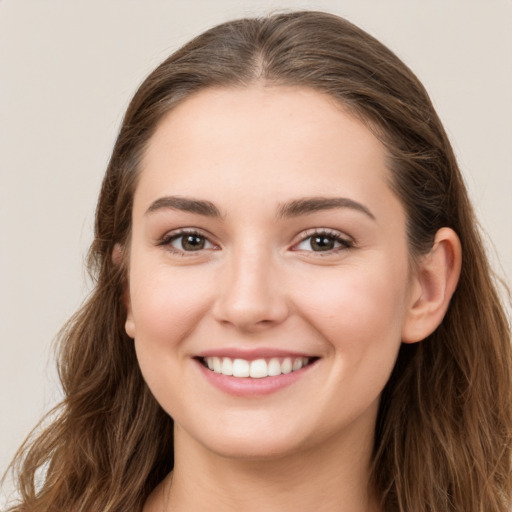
x,y
67,72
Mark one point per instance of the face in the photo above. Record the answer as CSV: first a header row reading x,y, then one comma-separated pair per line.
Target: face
x,y
267,244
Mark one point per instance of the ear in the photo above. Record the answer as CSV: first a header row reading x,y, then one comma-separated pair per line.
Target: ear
x,y
434,281
117,255
129,326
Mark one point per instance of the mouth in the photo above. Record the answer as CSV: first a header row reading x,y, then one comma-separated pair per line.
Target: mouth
x,y
252,373
255,368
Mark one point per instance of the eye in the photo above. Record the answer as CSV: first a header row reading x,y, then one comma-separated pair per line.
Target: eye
x,y
323,241
186,241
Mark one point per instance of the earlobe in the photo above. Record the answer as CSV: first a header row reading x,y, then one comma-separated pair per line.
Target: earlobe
x,y
129,326
435,280
117,255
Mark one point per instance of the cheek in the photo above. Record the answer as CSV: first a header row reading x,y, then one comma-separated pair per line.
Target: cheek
x,y
166,302
167,305
356,307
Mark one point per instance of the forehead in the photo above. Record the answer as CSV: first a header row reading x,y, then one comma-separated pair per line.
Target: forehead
x,y
262,140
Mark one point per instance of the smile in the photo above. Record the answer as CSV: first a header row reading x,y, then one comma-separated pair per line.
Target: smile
x,y
254,373
255,369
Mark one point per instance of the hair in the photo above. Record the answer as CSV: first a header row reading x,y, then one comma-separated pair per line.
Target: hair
x,y
443,432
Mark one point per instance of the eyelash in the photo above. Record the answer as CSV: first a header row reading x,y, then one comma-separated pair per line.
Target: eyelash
x,y
167,240
333,236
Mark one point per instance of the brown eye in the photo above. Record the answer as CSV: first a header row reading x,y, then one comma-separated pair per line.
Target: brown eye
x,y
322,243
192,242
187,242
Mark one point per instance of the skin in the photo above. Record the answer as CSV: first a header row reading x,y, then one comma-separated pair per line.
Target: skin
x,y
258,282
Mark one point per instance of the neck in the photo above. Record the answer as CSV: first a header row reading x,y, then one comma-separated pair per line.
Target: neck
x,y
327,478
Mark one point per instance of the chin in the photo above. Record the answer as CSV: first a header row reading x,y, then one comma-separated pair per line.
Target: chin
x,y
255,449
255,442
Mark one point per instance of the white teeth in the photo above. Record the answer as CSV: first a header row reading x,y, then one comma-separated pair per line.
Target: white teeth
x,y
256,369
227,366
297,364
286,365
274,367
240,368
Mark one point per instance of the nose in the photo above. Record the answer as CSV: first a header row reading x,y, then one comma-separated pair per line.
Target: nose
x,y
251,295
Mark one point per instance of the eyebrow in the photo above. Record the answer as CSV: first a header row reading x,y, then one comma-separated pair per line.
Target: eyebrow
x,y
293,208
307,205
184,204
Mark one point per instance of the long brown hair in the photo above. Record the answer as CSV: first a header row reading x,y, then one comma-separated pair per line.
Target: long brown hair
x,y
443,433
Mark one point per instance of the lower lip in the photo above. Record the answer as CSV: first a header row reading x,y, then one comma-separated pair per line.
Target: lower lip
x,y
248,387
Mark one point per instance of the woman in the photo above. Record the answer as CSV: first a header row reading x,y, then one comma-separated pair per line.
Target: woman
x,y
293,307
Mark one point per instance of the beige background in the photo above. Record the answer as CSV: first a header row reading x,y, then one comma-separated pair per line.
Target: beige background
x,y
67,71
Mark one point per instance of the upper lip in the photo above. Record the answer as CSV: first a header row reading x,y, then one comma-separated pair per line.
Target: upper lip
x,y
252,354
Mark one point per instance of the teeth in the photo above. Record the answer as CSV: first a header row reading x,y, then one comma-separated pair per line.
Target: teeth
x,y
297,364
256,369
240,368
227,366
286,365
274,367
